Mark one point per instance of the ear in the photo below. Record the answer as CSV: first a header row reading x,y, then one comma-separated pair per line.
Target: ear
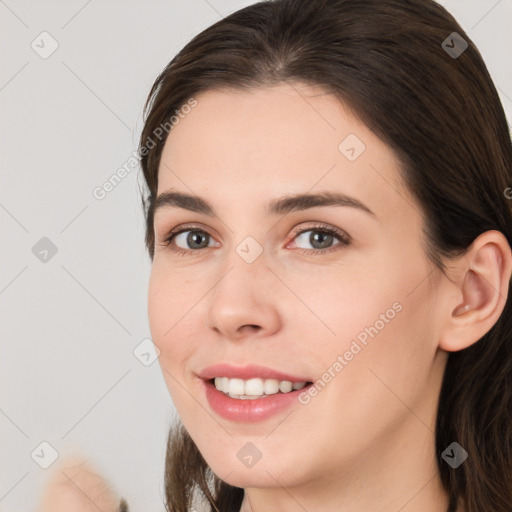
x,y
479,291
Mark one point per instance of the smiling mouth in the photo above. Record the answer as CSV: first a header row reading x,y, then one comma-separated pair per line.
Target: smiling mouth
x,y
251,389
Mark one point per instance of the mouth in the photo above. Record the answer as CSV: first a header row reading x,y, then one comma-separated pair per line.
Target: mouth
x,y
254,388
249,408
252,392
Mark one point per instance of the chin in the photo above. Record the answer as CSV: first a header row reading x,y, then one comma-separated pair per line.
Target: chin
x,y
246,478
259,476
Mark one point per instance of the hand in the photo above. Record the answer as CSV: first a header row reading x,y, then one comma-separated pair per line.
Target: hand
x,y
75,486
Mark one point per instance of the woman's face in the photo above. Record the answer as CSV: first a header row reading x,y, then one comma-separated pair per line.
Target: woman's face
x,y
353,311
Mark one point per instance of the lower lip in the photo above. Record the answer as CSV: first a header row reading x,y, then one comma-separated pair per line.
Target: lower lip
x,y
249,410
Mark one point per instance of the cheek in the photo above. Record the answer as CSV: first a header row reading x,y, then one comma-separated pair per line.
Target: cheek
x,y
171,322
367,397
341,309
170,297
386,360
177,332
383,339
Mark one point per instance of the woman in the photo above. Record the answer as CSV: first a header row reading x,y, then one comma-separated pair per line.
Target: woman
x,y
330,229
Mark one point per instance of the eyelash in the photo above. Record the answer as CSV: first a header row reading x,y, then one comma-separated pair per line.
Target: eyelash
x,y
321,228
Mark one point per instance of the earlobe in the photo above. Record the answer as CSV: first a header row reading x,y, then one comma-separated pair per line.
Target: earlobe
x,y
484,284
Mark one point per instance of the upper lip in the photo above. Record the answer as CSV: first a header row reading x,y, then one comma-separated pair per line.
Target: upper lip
x,y
246,372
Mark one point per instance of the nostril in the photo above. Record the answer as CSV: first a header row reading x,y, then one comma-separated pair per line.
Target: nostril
x,y
251,327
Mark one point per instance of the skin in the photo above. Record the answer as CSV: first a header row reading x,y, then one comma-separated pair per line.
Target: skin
x,y
75,485
366,441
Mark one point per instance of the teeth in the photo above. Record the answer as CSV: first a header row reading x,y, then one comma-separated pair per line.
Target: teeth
x,y
252,387
255,388
270,386
285,386
236,387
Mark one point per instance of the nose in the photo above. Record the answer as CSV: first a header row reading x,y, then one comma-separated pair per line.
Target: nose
x,y
244,303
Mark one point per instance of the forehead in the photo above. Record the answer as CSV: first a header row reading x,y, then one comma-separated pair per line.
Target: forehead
x,y
274,140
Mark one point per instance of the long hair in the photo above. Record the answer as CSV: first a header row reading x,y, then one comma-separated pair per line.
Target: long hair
x,y
426,93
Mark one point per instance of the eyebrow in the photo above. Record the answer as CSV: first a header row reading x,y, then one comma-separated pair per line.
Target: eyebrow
x,y
280,206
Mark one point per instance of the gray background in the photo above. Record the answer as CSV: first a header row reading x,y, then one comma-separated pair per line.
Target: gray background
x,y
70,323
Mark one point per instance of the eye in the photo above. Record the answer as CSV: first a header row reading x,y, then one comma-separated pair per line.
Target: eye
x,y
196,239
324,240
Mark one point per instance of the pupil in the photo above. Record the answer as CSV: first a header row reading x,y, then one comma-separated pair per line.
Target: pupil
x,y
195,236
326,236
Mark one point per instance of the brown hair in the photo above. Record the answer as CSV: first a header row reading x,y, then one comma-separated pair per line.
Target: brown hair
x,y
441,115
